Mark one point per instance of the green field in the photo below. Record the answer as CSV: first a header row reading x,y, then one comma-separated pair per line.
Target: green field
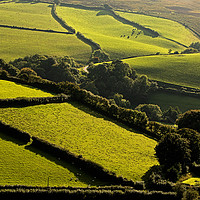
x,y
183,69
183,102
21,43
84,132
166,28
10,89
29,15
24,165
105,30
193,181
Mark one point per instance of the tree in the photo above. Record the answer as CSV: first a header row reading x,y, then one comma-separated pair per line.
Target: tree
x,y
172,149
189,119
153,112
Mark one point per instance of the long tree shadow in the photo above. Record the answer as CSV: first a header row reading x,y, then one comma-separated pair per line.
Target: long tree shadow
x,y
80,175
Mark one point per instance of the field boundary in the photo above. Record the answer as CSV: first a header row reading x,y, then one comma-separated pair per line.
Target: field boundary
x,y
33,29
88,166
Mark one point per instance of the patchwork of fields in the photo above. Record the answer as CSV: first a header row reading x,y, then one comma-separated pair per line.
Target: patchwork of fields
x,y
12,90
17,43
113,35
84,132
183,69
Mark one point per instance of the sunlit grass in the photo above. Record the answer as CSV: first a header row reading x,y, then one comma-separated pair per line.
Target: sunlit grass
x,y
10,89
113,35
181,69
21,43
24,165
84,132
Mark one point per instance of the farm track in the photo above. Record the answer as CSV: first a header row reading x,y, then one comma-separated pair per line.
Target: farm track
x,y
34,29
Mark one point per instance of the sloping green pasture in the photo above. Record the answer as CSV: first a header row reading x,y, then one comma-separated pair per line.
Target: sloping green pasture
x,y
105,30
164,27
29,15
84,132
23,165
183,102
10,89
193,181
21,43
183,69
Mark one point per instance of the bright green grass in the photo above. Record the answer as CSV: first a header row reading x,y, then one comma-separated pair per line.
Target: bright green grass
x,y
24,165
10,89
29,15
164,27
106,31
177,69
193,181
183,102
20,43
86,133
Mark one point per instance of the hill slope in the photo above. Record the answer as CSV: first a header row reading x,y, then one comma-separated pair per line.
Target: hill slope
x,y
86,133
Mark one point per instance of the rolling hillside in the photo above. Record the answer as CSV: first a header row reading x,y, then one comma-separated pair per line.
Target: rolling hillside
x,y
113,36
183,69
21,43
86,133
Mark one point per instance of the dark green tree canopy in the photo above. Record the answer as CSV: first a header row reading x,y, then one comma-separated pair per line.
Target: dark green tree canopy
x,y
189,119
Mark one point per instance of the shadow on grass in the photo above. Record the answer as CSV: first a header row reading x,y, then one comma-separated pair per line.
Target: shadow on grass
x,y
80,175
7,137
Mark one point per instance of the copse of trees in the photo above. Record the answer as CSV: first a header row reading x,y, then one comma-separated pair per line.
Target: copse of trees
x,y
108,79
49,67
177,151
189,119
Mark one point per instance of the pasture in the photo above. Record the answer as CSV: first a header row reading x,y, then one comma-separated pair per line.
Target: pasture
x,y
84,132
164,100
113,36
193,181
21,43
30,15
10,89
21,164
166,28
183,69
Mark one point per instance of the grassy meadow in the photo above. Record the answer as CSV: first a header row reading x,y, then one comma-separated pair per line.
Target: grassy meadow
x,y
25,165
10,89
84,132
105,30
31,15
193,181
166,28
183,69
21,43
183,102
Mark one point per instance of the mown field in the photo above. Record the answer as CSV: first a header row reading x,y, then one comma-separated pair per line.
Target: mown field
x,y
183,102
105,30
25,165
31,15
183,69
21,43
84,132
10,89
